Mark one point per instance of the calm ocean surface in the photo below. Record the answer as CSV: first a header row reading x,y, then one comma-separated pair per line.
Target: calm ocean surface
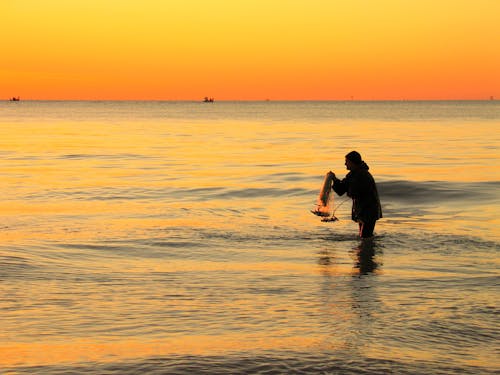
x,y
176,238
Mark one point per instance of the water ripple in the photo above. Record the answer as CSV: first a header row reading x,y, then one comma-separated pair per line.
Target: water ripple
x,y
294,363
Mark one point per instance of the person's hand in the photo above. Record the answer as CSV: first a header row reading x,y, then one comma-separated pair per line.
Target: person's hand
x,y
331,174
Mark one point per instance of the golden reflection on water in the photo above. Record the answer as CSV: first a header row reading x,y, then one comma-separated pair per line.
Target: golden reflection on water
x,y
62,178
33,354
348,309
241,147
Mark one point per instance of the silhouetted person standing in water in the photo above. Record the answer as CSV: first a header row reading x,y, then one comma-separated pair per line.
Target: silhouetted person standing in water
x,y
360,186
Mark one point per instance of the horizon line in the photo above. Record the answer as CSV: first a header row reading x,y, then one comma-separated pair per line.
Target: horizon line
x,y
491,98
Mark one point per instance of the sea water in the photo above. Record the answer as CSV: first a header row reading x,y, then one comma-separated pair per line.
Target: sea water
x,y
176,237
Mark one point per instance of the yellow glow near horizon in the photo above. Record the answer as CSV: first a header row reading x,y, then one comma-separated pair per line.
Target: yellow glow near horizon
x,y
294,49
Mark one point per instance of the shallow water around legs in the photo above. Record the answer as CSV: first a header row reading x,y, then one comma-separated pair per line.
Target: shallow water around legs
x,y
163,237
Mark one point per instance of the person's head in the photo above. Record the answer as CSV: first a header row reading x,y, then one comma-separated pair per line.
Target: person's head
x,y
353,160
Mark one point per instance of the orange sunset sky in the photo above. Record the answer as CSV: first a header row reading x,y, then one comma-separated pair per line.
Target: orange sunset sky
x,y
250,49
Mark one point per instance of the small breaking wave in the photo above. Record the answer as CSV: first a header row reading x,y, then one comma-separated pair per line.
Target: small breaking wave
x,y
434,191
15,266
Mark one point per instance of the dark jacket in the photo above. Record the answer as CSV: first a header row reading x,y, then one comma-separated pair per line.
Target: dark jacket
x,y
360,186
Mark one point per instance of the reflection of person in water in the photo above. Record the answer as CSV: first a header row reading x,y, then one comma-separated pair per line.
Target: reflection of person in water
x,y
364,258
360,186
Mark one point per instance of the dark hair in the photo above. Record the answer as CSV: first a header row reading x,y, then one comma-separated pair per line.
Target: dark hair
x,y
355,157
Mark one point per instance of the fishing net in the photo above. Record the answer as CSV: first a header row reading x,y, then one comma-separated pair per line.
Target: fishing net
x,y
325,200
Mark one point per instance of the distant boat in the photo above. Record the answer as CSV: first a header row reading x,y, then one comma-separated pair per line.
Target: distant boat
x,y
208,100
14,99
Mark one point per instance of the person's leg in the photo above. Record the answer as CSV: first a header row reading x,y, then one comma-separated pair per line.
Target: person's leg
x,y
366,229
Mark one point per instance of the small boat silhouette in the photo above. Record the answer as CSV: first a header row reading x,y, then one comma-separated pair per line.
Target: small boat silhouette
x,y
208,100
15,99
